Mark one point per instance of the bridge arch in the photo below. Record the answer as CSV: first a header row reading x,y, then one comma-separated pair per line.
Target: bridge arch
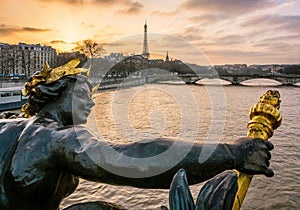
x,y
239,79
261,81
215,81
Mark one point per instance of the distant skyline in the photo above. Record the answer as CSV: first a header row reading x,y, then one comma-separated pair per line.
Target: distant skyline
x,y
225,31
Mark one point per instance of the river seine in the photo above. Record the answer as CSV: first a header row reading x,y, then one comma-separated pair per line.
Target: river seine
x,y
201,114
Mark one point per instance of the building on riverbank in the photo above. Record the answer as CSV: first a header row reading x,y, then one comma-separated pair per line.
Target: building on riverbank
x,y
24,59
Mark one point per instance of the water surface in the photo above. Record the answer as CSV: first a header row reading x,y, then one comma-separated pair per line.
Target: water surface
x,y
203,114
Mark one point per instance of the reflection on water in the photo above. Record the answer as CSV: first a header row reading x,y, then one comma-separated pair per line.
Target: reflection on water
x,y
152,111
261,82
250,82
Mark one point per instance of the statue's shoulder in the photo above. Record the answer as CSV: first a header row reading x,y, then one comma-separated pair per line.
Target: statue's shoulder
x,y
10,131
7,124
70,137
74,132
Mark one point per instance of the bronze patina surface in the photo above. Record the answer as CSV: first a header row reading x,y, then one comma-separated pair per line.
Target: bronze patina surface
x,y
43,156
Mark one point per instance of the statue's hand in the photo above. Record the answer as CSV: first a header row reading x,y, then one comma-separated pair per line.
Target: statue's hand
x,y
254,156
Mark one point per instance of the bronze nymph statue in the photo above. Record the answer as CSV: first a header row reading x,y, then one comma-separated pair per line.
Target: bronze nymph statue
x,y
43,156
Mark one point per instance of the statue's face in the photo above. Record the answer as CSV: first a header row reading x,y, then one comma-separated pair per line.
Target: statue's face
x,y
81,103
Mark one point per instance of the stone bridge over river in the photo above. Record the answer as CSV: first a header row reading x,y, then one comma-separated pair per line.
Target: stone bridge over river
x,y
113,82
150,71
237,79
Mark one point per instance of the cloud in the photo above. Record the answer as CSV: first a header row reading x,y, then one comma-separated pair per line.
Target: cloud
x,y
229,6
239,53
116,44
132,8
230,39
9,29
274,46
241,56
280,38
31,29
74,2
276,53
164,13
105,1
87,26
281,43
57,42
288,23
90,2
208,18
197,35
191,33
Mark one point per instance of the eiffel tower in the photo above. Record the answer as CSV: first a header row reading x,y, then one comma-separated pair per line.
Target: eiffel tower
x,y
145,53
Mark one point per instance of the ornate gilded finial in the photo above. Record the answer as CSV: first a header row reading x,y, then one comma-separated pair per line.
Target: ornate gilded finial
x,y
265,116
264,119
271,97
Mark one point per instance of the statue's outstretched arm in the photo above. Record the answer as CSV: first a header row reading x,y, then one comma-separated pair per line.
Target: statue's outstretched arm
x,y
152,164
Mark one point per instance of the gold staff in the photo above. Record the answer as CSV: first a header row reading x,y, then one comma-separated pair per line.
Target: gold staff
x,y
264,119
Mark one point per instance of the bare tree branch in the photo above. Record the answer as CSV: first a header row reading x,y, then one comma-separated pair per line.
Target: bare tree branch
x,y
90,48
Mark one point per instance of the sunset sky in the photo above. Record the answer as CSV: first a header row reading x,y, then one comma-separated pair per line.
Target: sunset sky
x,y
224,31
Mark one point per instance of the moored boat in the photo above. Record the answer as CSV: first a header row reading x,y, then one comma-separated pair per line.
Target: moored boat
x,y
11,98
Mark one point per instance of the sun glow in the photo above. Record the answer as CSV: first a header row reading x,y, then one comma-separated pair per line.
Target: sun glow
x,y
223,37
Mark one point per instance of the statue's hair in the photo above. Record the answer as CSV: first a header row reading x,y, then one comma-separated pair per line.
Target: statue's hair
x,y
47,93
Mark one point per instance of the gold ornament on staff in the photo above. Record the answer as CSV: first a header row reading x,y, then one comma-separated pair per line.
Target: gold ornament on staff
x,y
264,119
